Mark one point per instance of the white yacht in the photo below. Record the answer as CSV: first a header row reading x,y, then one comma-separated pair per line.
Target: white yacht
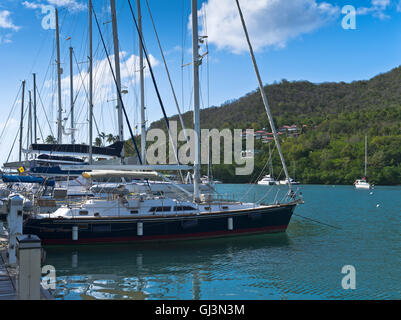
x,y
362,184
268,180
283,182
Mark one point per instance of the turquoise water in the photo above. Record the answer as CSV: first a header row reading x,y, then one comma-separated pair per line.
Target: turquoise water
x,y
303,263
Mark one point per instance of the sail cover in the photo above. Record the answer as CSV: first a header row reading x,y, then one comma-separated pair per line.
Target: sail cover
x,y
119,174
113,150
26,179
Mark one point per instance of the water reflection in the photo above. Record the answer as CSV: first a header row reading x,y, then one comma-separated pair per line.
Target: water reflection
x,y
165,270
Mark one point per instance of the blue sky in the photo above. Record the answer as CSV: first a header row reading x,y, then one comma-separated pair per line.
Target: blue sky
x,y
294,40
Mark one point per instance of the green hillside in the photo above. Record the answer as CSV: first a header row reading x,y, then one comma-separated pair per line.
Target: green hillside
x,y
337,117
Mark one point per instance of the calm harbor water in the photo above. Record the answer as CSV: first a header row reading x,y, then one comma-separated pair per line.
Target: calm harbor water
x,y
303,263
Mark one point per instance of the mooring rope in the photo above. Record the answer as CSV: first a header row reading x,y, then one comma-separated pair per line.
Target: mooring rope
x,y
319,222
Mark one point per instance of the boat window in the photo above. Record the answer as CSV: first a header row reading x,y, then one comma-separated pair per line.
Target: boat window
x,y
184,208
224,207
134,211
97,214
160,209
83,213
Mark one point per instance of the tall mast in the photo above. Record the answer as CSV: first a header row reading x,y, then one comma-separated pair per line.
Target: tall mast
x,y
35,119
90,85
196,63
117,71
142,86
60,108
264,98
72,97
366,155
22,121
29,136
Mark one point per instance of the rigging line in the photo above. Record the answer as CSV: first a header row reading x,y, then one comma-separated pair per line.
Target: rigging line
x,y
154,81
17,135
119,93
168,72
12,147
86,93
155,85
11,112
47,119
41,133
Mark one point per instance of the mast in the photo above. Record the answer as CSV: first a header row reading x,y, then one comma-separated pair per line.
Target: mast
x,y
90,84
59,71
35,119
196,63
366,155
117,72
22,121
29,136
264,98
142,86
72,97
270,162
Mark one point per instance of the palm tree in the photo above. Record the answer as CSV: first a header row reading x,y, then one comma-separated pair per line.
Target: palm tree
x,y
110,138
50,139
102,136
98,142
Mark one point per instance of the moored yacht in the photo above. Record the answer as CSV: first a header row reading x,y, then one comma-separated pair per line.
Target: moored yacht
x,y
268,180
362,184
293,182
145,218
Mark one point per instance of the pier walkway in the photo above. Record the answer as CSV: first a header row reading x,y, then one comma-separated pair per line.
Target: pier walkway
x,y
7,287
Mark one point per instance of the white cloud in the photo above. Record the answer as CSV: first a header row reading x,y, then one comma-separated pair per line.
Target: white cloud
x,y
71,5
377,9
270,23
6,22
103,81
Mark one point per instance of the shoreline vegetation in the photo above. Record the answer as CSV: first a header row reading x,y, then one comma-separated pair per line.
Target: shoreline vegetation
x,y
334,119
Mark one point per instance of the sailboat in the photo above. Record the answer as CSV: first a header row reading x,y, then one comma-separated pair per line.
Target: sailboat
x,y
363,183
145,217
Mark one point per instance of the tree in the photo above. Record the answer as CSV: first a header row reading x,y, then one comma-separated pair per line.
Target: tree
x,y
102,136
50,139
110,138
98,142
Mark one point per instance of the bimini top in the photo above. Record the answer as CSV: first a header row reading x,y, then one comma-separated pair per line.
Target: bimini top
x,y
113,150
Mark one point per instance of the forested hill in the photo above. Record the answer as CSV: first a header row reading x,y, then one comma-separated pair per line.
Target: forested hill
x,y
336,115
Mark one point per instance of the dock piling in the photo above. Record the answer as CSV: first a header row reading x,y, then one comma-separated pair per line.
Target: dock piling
x,y
14,221
29,258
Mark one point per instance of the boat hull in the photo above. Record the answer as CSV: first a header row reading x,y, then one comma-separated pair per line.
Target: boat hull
x,y
366,187
206,225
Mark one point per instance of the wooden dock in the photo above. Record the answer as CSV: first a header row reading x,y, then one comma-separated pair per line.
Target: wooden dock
x,y
7,287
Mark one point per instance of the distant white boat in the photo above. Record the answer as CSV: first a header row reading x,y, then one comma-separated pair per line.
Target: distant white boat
x,y
282,182
268,180
363,183
206,180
